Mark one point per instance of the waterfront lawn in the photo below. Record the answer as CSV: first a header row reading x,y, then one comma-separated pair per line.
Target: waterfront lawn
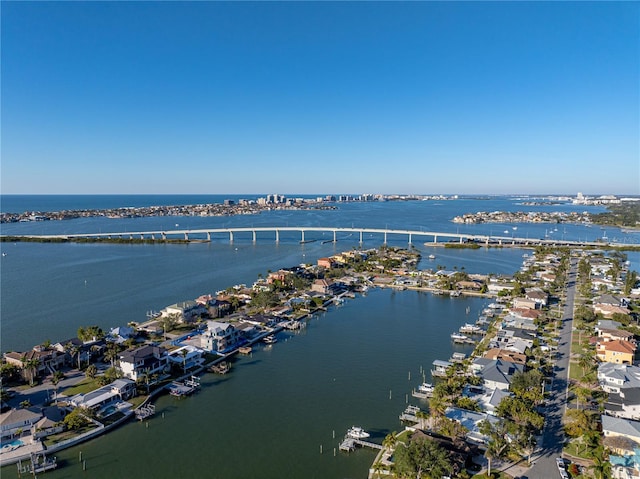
x,y
64,435
83,387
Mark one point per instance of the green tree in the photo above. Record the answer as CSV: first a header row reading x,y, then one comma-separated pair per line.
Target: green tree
x,y
422,457
91,372
90,333
497,445
30,367
75,420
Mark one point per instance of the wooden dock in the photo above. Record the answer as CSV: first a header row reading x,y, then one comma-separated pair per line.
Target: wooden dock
x,y
349,444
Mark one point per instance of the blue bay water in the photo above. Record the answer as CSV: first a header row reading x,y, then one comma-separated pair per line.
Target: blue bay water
x,y
269,417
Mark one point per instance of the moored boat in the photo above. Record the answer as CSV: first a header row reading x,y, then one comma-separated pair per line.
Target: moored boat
x,y
271,339
356,432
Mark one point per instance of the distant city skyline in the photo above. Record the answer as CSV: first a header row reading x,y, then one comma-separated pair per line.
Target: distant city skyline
x,y
332,97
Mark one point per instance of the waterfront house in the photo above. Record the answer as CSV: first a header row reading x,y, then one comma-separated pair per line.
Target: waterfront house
x,y
16,422
540,297
487,399
617,351
143,361
219,337
121,334
327,263
46,361
216,308
184,311
524,303
51,421
186,357
506,355
119,390
322,286
496,373
471,420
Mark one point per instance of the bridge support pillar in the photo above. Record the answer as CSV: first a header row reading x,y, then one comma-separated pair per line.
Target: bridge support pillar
x,y
486,242
385,237
277,236
360,236
435,238
230,236
153,237
164,236
409,238
141,236
334,236
254,236
186,236
209,236
302,233
460,239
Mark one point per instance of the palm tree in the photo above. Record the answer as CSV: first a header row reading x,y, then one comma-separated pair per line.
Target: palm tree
x,y
390,441
184,361
91,372
55,380
111,354
31,368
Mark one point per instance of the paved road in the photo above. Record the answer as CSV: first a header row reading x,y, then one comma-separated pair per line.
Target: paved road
x,y
553,434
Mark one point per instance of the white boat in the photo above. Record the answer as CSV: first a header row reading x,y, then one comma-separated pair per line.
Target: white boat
x,y
432,256
271,339
356,432
426,388
471,328
460,337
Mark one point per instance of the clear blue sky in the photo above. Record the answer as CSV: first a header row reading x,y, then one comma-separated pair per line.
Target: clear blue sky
x,y
303,97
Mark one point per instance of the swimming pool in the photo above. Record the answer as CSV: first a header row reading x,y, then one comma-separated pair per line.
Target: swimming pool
x,y
10,446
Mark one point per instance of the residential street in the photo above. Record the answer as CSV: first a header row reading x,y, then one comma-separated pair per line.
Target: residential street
x,y
553,435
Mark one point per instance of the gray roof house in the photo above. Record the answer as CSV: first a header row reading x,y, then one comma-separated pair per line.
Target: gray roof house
x,y
496,374
613,377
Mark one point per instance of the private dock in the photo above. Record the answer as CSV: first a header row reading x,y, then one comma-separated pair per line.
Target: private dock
x,y
189,386
349,444
457,357
410,414
220,368
245,350
38,463
145,412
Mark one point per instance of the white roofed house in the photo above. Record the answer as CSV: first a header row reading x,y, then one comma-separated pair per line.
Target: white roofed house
x,y
119,390
186,357
146,360
184,311
219,337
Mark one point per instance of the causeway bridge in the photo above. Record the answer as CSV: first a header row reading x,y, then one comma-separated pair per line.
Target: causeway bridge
x,y
306,235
